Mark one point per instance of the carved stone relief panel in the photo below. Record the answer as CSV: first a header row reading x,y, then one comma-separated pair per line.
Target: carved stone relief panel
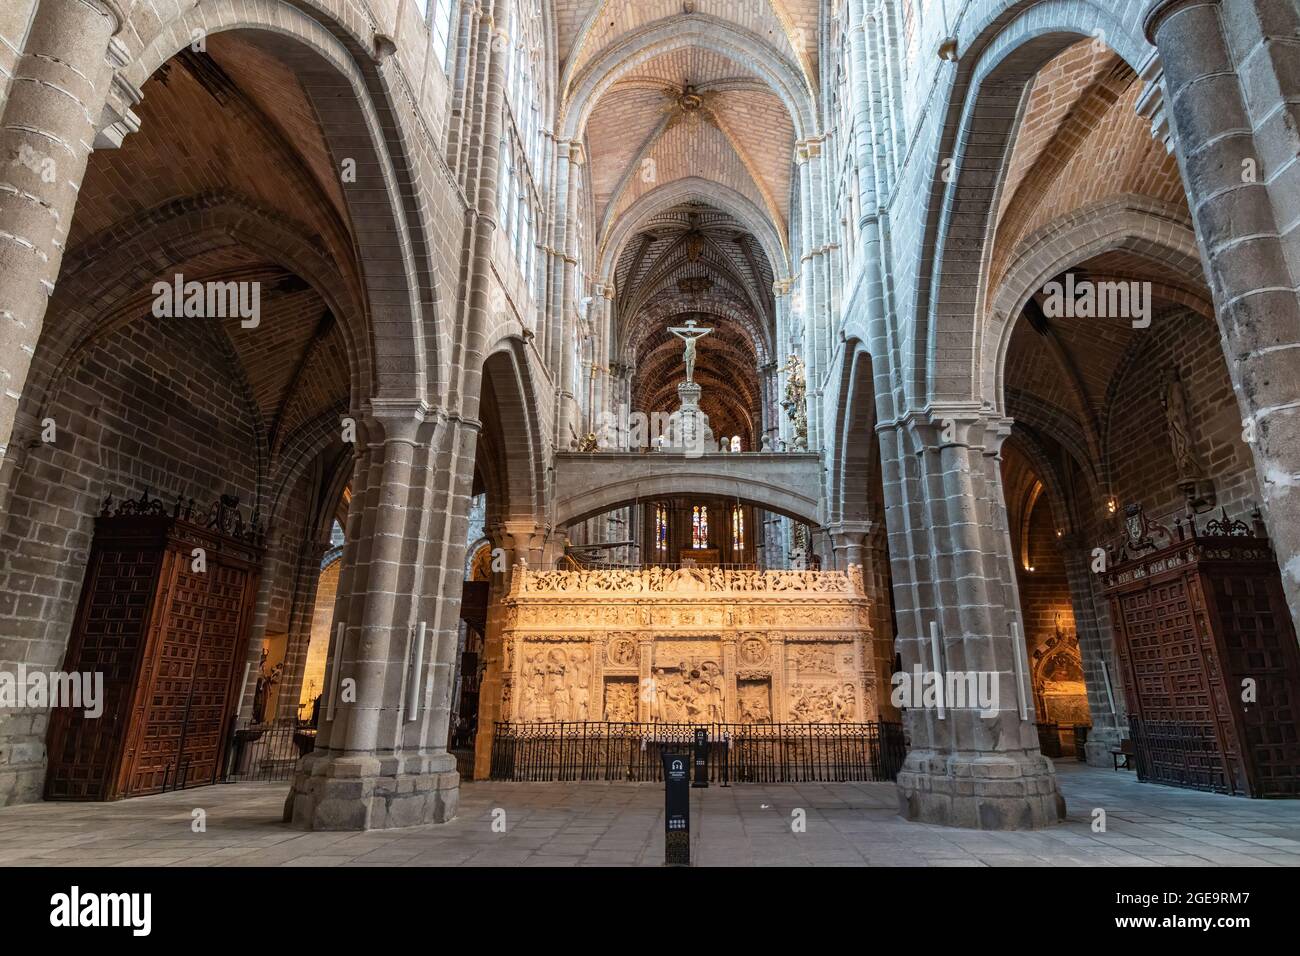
x,y
754,704
556,683
621,652
687,685
823,702
694,647
621,699
753,651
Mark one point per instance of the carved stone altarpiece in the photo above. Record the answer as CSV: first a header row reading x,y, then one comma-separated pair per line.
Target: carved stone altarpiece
x,y
687,645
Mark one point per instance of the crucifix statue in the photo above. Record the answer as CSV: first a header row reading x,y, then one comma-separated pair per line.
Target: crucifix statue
x,y
688,333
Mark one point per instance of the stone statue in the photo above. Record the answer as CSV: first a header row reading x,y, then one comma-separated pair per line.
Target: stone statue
x,y
1178,420
688,333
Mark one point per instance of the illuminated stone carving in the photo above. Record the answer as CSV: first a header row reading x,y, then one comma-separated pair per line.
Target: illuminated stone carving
x,y
686,645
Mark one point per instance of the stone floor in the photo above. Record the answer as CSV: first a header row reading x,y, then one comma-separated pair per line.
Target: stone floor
x,y
622,824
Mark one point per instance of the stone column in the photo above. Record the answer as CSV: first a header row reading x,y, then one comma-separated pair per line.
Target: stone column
x,y
952,561
1097,651
646,690
559,267
776,655
56,96
491,691
731,712
1232,96
381,758
567,401
849,543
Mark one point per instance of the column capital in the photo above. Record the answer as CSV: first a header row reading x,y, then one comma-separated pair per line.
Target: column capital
x,y
397,419
959,424
118,11
1161,10
807,149
847,529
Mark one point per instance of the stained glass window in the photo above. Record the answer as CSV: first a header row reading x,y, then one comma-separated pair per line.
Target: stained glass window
x,y
737,528
661,530
700,526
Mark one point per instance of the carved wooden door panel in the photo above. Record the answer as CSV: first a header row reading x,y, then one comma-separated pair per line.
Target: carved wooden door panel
x,y
169,641
182,717
1251,614
1171,676
218,665
107,638
152,760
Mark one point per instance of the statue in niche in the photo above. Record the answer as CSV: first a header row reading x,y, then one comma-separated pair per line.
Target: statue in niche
x,y
1178,420
754,703
658,695
581,667
554,670
717,712
530,700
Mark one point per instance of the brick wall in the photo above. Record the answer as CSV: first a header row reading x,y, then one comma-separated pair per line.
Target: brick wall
x,y
1138,447
157,404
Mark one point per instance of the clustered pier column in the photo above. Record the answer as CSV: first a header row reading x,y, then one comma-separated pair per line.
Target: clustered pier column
x,y
951,559
1232,95
381,755
56,96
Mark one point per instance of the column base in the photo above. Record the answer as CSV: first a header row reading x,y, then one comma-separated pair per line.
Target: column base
x,y
22,784
1099,746
980,792
367,793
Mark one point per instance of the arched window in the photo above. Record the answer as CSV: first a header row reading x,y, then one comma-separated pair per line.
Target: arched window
x,y
737,528
440,19
661,532
700,526
520,41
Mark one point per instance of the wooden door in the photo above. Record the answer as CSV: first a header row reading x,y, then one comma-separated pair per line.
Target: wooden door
x,y
195,658
1171,676
1248,609
108,637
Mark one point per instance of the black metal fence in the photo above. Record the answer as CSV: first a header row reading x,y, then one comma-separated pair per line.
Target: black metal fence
x,y
737,753
1181,755
267,751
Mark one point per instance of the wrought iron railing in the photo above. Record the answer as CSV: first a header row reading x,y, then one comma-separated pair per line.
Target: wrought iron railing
x,y
736,753
1181,755
268,751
